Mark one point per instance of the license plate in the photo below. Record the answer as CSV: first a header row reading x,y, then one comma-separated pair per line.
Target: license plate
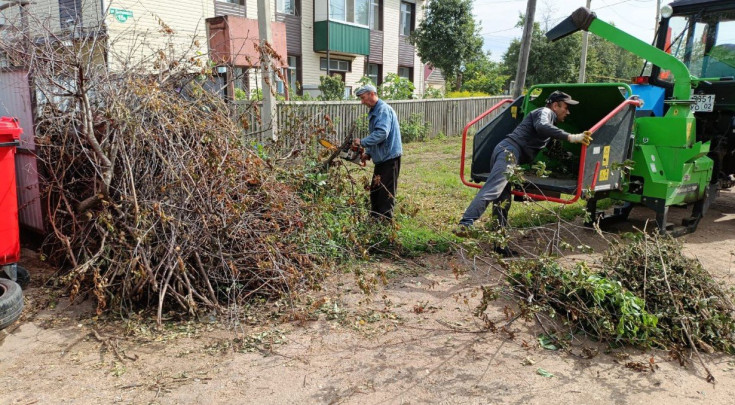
x,y
703,102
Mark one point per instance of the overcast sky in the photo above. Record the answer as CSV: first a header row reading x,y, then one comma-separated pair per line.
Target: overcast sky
x,y
497,18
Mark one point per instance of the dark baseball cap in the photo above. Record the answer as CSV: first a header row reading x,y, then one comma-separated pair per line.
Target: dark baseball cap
x,y
561,96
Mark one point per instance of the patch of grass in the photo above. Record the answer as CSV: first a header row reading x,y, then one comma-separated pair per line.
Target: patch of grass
x,y
415,239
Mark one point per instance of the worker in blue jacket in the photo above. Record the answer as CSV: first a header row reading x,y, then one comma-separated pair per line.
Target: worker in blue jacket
x,y
383,145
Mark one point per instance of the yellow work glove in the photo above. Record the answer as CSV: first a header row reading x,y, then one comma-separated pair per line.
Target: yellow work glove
x,y
583,138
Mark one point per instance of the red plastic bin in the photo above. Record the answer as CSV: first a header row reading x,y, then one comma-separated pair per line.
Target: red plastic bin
x,y
9,233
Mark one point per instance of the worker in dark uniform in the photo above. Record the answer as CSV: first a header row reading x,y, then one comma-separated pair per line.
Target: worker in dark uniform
x,y
521,147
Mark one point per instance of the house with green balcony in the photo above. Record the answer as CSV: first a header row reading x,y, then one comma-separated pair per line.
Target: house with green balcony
x,y
345,38
350,39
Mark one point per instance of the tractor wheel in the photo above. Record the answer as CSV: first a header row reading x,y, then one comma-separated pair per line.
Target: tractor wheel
x,y
11,302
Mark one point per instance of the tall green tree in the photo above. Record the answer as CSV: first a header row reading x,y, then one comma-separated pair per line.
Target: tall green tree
x,y
484,75
558,62
548,62
448,37
607,62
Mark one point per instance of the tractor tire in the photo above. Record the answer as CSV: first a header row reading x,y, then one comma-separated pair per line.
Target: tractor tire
x,y
11,302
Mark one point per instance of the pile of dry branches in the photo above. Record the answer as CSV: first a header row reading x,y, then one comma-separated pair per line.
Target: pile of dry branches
x,y
157,199
152,199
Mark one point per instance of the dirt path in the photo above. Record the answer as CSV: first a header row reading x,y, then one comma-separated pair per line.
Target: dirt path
x,y
413,341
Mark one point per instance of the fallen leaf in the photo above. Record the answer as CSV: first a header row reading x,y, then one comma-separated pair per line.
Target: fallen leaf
x,y
544,373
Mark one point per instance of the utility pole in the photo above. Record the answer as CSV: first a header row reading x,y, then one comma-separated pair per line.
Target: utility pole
x,y
583,60
525,49
658,17
268,110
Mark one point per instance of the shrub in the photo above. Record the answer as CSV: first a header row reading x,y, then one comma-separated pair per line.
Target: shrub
x,y
396,88
465,93
332,88
433,93
415,128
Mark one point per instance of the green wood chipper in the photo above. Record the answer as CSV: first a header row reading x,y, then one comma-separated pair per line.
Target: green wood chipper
x,y
665,141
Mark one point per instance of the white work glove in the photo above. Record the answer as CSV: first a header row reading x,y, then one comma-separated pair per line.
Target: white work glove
x,y
583,138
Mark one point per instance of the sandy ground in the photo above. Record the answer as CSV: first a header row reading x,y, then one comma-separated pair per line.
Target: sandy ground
x,y
414,340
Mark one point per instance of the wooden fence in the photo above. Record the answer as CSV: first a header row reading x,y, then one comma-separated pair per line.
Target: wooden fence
x,y
447,116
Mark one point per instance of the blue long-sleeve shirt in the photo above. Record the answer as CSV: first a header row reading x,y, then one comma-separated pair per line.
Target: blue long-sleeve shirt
x,y
384,141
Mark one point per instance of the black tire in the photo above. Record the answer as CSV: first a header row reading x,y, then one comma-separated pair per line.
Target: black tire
x,y
11,302
22,277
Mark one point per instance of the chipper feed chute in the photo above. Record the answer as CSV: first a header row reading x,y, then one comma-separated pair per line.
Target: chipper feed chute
x,y
603,110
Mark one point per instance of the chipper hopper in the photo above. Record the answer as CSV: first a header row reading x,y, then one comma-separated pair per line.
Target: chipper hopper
x,y
635,157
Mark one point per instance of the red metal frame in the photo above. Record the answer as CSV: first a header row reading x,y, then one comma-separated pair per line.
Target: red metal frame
x,y
582,158
464,140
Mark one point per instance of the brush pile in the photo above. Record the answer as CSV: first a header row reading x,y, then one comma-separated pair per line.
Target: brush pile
x,y
648,294
153,200
580,300
682,294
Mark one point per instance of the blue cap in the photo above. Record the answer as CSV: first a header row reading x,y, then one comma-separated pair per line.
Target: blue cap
x,y
366,88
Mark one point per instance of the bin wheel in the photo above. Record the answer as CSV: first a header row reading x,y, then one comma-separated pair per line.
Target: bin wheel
x,y
11,302
22,276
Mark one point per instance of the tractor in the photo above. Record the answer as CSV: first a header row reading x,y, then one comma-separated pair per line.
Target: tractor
x,y
667,140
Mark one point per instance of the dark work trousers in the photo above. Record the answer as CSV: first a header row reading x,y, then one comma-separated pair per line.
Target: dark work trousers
x,y
383,188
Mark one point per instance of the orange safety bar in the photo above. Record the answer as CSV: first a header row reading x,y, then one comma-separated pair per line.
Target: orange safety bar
x,y
582,160
464,140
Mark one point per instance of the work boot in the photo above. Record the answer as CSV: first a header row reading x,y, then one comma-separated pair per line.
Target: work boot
x,y
464,231
505,251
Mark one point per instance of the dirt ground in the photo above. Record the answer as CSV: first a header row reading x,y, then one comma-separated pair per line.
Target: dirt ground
x,y
414,340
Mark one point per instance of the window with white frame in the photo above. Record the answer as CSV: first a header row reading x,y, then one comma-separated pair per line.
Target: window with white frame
x,y
335,65
292,71
351,11
238,2
376,15
286,6
407,11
